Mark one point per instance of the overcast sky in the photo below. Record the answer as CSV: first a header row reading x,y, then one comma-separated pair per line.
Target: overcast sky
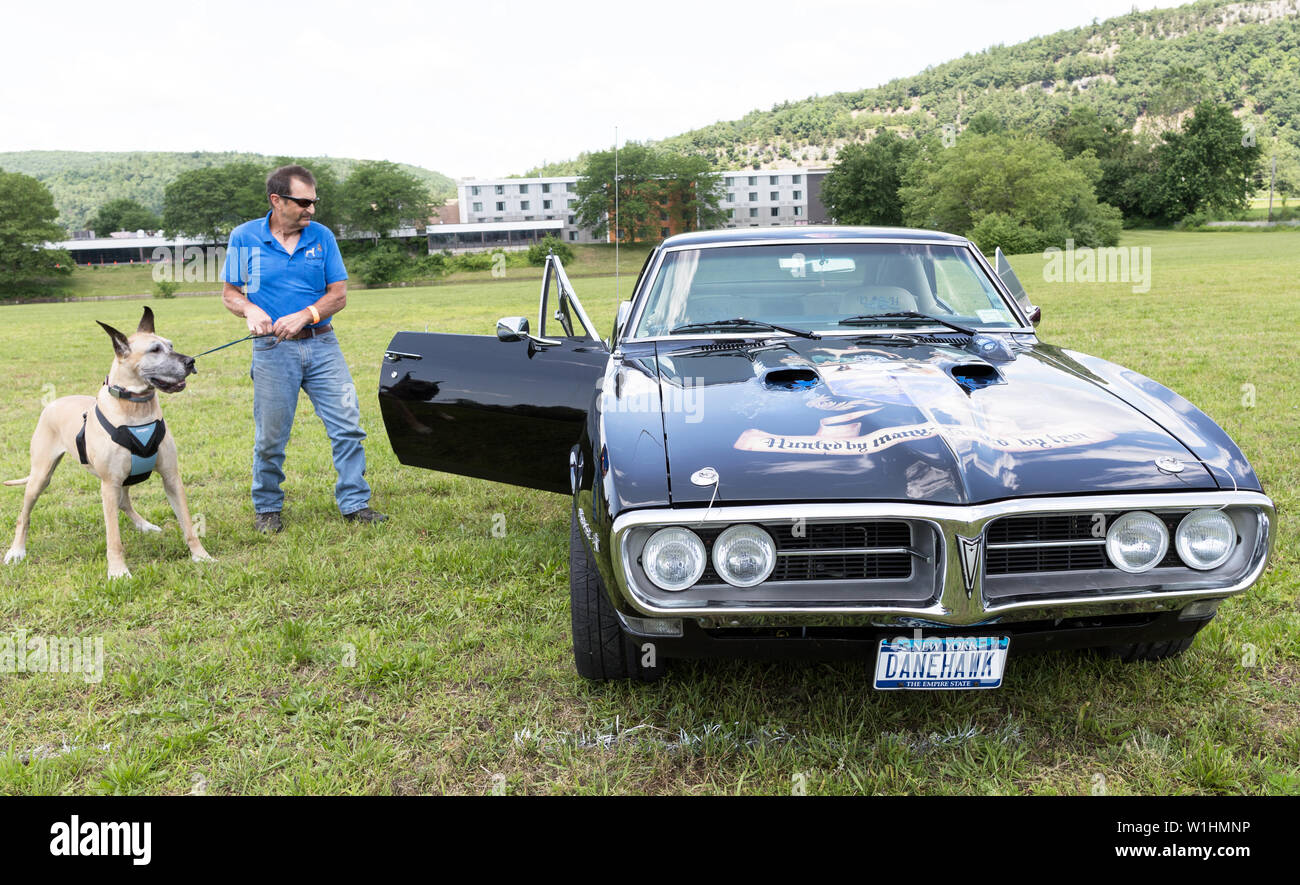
x,y
467,88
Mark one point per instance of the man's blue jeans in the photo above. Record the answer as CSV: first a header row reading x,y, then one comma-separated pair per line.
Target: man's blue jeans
x,y
316,365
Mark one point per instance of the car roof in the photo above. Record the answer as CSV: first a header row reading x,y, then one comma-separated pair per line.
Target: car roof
x,y
816,232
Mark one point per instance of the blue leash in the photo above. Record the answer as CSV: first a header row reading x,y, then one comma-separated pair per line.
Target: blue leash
x,y
232,343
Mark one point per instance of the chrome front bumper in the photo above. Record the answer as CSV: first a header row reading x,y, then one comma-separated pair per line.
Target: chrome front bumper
x,y
959,599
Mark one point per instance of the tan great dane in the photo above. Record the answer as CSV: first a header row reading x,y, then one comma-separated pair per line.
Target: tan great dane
x,y
143,364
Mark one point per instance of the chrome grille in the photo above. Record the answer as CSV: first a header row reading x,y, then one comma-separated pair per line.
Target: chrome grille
x,y
829,551
1058,542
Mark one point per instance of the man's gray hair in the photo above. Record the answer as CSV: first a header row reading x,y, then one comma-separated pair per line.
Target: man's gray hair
x,y
281,180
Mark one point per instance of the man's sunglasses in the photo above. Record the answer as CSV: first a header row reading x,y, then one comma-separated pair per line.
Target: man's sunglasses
x,y
304,202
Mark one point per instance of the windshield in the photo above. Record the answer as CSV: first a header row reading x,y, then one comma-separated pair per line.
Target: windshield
x,y
814,286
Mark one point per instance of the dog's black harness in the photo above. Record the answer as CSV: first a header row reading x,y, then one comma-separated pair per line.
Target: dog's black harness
x,y
141,440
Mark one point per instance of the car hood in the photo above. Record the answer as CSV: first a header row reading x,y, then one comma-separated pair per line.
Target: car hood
x,y
896,418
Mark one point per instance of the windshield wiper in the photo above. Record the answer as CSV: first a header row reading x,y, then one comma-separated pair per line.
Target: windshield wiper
x,y
867,319
741,323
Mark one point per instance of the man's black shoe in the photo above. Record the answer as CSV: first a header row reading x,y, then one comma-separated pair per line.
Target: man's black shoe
x,y
365,514
268,523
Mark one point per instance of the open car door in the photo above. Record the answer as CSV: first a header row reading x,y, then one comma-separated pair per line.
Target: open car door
x,y
507,407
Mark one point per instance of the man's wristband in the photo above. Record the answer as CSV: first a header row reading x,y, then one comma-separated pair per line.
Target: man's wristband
x,y
315,314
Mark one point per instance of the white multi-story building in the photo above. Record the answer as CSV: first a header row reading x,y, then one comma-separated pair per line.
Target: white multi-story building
x,y
769,197
752,198
524,199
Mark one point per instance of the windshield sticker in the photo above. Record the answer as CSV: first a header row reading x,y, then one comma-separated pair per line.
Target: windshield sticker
x,y
847,439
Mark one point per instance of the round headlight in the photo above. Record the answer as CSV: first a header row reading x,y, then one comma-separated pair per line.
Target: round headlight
x,y
1137,541
674,558
1205,538
744,555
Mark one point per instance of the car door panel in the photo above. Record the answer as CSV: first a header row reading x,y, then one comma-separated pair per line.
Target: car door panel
x,y
476,405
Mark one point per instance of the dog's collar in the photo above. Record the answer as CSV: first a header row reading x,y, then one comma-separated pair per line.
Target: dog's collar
x,y
123,393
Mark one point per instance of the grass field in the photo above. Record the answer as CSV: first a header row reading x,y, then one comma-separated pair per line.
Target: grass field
x,y
427,655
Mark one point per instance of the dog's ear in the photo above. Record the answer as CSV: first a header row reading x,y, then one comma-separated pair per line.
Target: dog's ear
x,y
146,322
121,346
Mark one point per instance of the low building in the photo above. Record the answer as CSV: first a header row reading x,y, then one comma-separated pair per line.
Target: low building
x,y
128,248
509,236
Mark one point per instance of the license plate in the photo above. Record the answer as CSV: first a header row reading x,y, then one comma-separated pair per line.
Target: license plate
x,y
941,662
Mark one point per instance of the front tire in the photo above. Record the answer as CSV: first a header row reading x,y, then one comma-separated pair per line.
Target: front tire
x,y
601,650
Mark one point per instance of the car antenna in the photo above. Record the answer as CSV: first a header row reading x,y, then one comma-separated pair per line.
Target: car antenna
x,y
617,299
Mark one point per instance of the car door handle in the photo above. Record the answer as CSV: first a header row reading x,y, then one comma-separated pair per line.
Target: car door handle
x,y
394,356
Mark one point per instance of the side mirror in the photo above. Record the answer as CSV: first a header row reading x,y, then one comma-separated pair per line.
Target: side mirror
x,y
624,310
1008,276
512,328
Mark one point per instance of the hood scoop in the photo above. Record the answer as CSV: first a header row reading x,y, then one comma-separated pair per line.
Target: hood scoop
x,y
993,348
975,376
791,379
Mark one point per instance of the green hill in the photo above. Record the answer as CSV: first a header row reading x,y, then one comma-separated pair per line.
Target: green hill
x,y
1143,69
81,182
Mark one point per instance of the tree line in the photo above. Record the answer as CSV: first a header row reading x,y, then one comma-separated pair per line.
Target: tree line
x,y
82,182
375,199
1022,192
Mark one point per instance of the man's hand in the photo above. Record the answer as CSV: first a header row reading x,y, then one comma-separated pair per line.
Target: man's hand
x,y
259,322
288,325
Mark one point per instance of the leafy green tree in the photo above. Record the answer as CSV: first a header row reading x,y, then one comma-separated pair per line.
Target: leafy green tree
x,y
650,182
537,251
1130,179
862,188
691,190
637,197
1024,179
211,202
1127,163
382,263
123,214
379,197
986,123
1287,182
1181,87
1208,165
1083,129
27,217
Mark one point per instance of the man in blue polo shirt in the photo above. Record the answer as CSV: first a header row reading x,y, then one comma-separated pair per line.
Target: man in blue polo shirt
x,y
284,275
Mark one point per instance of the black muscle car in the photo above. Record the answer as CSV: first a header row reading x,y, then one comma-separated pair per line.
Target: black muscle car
x,y
841,441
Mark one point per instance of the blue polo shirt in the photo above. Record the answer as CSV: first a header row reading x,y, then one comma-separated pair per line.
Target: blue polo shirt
x,y
276,281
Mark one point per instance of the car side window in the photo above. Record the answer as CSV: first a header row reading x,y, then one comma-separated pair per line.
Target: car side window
x,y
560,304
966,291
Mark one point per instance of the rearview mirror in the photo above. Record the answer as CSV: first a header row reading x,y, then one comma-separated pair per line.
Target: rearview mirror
x,y
800,265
